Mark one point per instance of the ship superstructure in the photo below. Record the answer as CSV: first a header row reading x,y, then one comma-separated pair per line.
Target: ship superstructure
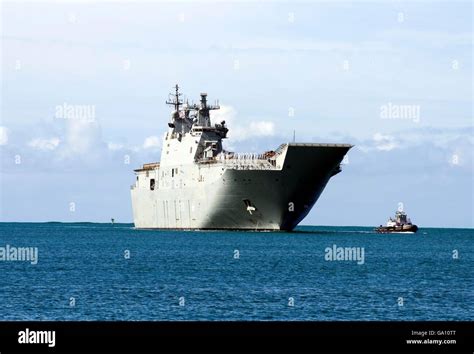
x,y
199,185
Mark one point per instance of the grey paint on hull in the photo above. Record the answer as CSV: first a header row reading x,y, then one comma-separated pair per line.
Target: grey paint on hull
x,y
278,198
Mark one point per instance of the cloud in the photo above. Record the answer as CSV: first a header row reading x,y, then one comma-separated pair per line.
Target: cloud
x,y
240,130
44,144
60,144
152,142
79,145
384,142
3,136
225,112
262,128
307,44
114,146
419,153
272,43
457,140
442,138
82,136
73,145
431,38
437,148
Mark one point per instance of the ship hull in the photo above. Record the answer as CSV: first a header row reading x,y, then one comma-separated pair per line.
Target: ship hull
x,y
409,229
243,199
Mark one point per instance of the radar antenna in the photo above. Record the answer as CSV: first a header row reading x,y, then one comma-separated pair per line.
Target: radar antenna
x,y
174,99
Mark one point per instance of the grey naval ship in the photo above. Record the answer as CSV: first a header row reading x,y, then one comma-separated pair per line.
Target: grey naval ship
x,y
199,185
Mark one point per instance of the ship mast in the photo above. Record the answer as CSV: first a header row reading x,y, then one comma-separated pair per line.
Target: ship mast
x,y
181,123
203,116
175,101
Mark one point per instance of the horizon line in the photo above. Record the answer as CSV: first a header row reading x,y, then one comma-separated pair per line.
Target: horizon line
x,y
177,229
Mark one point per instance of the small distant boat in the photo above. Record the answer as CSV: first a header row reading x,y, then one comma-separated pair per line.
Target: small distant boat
x,y
401,224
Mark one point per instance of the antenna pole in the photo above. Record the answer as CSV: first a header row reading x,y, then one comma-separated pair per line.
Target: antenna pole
x,y
176,102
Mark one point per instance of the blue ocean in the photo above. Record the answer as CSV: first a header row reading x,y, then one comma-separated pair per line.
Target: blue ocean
x,y
88,271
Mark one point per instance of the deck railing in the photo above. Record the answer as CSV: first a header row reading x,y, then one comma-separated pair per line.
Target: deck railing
x,y
243,161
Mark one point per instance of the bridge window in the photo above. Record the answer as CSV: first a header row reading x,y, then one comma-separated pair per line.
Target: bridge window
x,y
152,184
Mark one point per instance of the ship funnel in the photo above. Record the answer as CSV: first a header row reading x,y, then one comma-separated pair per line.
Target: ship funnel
x,y
203,99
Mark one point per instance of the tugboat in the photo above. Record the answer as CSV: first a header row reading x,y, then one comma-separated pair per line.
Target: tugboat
x,y
401,224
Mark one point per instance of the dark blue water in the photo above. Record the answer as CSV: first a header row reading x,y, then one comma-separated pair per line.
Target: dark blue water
x,y
274,270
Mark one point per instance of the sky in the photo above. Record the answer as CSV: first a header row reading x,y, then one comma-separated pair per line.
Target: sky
x,y
83,87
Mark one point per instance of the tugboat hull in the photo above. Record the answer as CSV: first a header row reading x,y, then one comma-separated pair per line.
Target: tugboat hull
x,y
397,229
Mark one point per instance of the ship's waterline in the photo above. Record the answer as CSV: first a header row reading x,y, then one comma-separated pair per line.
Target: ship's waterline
x,y
199,185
